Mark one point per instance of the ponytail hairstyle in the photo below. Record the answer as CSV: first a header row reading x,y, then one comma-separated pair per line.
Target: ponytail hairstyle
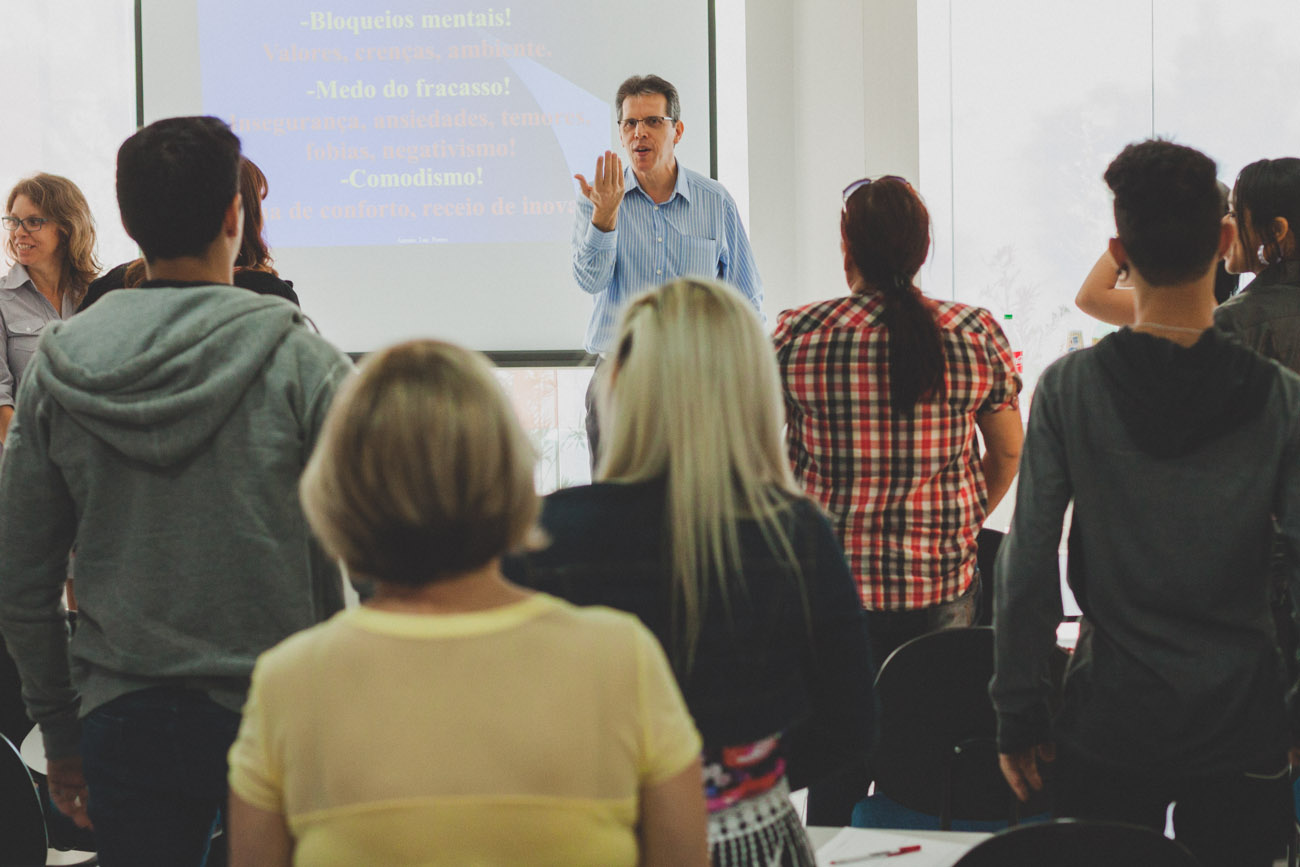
x,y
689,345
886,231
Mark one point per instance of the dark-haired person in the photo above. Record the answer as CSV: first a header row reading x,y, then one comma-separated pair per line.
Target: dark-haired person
x,y
1264,212
884,390
50,238
253,266
1101,296
500,726
164,431
642,226
1265,216
1176,691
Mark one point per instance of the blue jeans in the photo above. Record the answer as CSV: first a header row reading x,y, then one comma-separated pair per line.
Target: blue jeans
x,y
155,766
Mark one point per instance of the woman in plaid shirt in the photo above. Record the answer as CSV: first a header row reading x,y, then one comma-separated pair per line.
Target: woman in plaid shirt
x,y
884,389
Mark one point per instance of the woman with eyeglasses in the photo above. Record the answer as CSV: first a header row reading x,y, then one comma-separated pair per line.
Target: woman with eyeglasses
x,y
50,239
696,526
884,392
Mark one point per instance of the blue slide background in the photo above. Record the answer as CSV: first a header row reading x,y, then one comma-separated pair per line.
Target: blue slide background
x,y
319,194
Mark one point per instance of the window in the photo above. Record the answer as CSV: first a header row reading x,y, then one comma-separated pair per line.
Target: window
x,y
1023,104
70,101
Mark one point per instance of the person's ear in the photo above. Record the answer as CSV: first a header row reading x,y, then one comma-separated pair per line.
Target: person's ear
x,y
678,129
851,275
1282,231
1227,234
232,223
1119,254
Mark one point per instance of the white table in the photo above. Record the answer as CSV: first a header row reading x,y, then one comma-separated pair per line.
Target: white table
x,y
819,836
33,750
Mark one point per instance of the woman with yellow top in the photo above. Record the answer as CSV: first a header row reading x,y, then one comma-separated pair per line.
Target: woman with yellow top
x,y
455,718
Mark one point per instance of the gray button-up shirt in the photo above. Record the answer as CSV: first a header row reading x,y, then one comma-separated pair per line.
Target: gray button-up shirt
x,y
24,313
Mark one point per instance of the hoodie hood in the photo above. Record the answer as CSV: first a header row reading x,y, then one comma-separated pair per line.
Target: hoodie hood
x,y
155,372
1173,399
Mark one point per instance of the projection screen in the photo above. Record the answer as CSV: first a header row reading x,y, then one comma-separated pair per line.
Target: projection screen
x,y
420,155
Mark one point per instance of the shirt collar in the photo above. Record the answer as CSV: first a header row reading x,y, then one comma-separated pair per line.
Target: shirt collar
x,y
682,187
16,277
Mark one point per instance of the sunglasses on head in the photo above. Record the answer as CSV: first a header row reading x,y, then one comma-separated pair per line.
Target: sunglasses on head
x,y
859,184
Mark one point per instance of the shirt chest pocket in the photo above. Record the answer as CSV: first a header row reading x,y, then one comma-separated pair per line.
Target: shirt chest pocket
x,y
699,257
22,336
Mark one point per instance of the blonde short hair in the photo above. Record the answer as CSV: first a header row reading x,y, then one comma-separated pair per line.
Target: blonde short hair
x,y
422,471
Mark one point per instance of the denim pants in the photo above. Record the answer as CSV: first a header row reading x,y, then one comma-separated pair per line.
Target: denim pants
x,y
155,766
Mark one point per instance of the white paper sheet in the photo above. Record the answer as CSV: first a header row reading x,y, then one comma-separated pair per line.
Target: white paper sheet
x,y
855,842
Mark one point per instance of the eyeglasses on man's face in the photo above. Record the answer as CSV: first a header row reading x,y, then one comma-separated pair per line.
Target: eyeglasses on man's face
x,y
31,224
652,123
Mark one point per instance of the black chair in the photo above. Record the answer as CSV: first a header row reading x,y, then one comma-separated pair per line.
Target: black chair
x,y
937,752
1073,843
22,824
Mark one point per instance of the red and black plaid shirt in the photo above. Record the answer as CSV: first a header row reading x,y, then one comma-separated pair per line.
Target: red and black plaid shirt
x,y
907,496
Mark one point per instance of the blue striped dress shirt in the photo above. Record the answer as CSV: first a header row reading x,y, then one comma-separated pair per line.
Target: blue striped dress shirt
x,y
697,232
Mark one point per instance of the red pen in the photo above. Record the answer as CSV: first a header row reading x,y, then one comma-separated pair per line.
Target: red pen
x,y
884,853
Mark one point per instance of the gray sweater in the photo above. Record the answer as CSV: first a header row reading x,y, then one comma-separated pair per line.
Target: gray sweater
x,y
162,433
1176,461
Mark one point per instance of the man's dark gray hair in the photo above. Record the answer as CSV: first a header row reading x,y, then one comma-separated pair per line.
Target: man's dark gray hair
x,y
645,85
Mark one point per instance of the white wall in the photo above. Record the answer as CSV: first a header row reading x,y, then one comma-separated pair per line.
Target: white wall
x,y
832,98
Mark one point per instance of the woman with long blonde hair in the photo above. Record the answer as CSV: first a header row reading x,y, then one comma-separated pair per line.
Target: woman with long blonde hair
x,y
696,526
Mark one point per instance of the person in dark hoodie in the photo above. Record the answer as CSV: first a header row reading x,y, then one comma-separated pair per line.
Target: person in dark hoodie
x,y
163,432
1176,691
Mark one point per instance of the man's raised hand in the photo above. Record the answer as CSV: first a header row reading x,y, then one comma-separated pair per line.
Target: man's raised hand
x,y
605,191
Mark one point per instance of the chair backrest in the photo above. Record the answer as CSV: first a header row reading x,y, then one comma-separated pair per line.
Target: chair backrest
x,y
937,751
22,822
1073,843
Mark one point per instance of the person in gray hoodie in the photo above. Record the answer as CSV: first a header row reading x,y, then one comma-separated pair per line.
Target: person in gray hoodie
x,y
162,433
1176,692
